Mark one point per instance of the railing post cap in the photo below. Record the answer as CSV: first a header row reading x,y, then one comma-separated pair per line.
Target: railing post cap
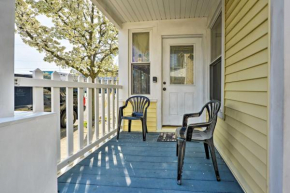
x,y
69,77
97,80
55,76
80,78
37,73
89,80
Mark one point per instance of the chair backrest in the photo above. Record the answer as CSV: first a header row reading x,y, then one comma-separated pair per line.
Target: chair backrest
x,y
139,103
212,108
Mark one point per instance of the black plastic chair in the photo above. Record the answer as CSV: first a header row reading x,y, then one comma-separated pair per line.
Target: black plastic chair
x,y
188,133
140,105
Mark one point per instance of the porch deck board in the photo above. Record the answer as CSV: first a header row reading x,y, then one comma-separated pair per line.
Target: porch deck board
x,y
132,165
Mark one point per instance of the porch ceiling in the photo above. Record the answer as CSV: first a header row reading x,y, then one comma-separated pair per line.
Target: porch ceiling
x,y
123,11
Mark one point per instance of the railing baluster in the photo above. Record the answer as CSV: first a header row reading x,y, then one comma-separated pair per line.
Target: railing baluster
x,y
117,99
89,111
103,110
113,106
38,105
97,110
81,114
55,107
108,106
69,116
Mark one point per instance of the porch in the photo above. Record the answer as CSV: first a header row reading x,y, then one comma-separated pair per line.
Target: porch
x,y
251,133
131,165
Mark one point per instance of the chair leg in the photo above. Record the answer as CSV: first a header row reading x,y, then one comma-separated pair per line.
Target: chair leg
x,y
206,150
146,126
143,129
176,147
119,127
181,154
214,161
129,125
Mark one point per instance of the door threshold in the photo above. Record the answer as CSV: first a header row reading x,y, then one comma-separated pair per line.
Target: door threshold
x,y
169,128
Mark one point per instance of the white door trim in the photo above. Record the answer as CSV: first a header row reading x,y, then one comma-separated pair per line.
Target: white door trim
x,y
164,37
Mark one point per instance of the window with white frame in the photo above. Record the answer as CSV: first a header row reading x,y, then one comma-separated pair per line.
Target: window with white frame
x,y
216,62
140,63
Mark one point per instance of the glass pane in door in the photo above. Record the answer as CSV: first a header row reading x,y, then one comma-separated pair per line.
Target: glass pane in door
x,y
181,65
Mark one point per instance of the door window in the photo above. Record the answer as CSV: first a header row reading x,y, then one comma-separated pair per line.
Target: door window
x,y
181,64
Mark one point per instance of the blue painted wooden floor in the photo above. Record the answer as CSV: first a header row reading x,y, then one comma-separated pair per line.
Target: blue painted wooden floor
x,y
132,165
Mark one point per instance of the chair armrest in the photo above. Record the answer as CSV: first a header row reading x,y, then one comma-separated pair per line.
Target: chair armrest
x,y
186,132
121,110
197,125
187,116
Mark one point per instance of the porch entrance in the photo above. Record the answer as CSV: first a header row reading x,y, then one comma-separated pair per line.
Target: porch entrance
x,y
182,79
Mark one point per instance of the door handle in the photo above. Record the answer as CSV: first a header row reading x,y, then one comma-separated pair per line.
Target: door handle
x,y
164,89
164,82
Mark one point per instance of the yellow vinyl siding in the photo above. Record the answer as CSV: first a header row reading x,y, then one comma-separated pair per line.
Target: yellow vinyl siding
x,y
136,125
242,137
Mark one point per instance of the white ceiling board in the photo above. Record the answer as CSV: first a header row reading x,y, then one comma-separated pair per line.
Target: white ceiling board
x,y
198,8
172,9
146,10
117,7
128,6
156,9
122,11
161,9
151,10
135,10
193,9
166,8
188,8
182,9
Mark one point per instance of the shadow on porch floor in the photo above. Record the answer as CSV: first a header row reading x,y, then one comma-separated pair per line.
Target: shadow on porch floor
x,y
132,165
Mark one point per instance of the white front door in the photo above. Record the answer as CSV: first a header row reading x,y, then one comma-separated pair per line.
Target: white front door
x,y
182,79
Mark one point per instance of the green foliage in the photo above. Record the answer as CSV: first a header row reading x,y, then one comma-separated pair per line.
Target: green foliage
x,y
92,36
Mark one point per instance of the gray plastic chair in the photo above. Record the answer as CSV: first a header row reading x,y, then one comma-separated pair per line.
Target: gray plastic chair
x,y
140,105
188,133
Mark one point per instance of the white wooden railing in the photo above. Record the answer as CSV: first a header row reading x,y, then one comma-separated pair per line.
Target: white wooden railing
x,y
108,110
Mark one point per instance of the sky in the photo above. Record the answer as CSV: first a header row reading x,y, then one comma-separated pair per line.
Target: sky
x,y
27,59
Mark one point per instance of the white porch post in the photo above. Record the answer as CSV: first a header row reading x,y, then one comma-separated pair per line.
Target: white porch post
x,y
286,141
279,132
7,19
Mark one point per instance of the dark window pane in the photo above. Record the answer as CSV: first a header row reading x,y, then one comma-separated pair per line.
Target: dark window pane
x,y
140,79
215,80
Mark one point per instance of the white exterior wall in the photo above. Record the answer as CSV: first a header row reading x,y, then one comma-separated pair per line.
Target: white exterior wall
x,y
28,153
6,57
196,26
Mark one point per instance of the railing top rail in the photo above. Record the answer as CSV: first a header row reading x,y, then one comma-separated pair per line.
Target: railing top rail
x,y
31,82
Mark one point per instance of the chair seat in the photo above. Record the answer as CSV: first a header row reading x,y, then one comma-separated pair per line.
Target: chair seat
x,y
196,134
131,118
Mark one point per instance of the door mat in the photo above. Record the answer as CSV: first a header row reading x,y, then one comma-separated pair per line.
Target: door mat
x,y
166,137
